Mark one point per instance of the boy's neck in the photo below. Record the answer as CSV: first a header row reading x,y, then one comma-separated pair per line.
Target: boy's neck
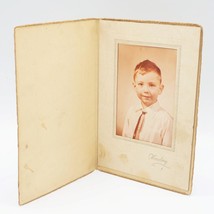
x,y
147,106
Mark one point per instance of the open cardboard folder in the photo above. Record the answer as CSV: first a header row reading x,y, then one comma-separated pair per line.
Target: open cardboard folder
x,y
74,87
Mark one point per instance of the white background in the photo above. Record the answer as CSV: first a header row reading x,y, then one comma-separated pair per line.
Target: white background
x,y
101,192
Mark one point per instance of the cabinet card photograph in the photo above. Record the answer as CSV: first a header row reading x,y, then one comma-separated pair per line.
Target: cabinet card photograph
x,y
145,100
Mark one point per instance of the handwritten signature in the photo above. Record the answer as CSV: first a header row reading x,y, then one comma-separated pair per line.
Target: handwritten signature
x,y
158,161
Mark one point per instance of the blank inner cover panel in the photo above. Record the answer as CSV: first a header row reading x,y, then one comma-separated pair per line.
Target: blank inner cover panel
x,y
56,67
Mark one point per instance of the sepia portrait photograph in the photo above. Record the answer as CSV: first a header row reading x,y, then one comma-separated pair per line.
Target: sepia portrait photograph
x,y
145,93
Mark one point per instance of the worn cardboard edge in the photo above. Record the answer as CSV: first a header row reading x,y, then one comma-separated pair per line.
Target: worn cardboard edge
x,y
17,114
111,19
142,180
55,22
154,22
98,77
196,112
26,202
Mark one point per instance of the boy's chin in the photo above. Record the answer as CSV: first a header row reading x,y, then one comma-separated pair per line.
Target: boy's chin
x,y
146,104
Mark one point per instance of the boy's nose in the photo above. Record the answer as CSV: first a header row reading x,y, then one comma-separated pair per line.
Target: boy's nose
x,y
145,88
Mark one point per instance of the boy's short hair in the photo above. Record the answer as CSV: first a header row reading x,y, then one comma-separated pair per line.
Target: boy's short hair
x,y
146,66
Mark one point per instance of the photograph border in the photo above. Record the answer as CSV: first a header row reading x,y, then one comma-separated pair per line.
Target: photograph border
x,y
177,74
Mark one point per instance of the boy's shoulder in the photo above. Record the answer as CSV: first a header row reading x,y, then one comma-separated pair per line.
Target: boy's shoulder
x,y
135,109
160,112
164,113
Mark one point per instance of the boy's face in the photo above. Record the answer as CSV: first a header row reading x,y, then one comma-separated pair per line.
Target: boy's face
x,y
148,87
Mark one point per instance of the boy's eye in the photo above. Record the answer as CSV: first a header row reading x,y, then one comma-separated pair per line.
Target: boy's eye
x,y
141,84
152,85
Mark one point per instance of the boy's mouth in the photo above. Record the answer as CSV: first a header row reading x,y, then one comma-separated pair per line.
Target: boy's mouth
x,y
146,97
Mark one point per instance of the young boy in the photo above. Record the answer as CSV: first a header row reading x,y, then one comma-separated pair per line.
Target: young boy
x,y
148,121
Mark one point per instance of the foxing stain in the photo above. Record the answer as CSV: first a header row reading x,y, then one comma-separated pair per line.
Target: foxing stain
x,y
44,126
28,168
124,158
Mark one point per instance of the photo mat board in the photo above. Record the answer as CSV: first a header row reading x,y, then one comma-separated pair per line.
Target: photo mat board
x,y
71,114
167,167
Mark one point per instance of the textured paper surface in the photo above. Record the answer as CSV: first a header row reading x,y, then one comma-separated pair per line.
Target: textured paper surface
x,y
169,168
57,104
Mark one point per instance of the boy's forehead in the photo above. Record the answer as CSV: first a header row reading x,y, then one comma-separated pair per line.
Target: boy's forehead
x,y
149,76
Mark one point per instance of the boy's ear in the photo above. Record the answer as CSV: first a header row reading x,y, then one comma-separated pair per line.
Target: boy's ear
x,y
134,84
161,88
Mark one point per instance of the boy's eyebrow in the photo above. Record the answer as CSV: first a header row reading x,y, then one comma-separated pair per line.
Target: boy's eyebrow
x,y
148,82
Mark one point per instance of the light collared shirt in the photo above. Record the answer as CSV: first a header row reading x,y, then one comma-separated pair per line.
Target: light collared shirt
x,y
157,125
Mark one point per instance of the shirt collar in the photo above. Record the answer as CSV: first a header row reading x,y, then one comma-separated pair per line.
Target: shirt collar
x,y
153,107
